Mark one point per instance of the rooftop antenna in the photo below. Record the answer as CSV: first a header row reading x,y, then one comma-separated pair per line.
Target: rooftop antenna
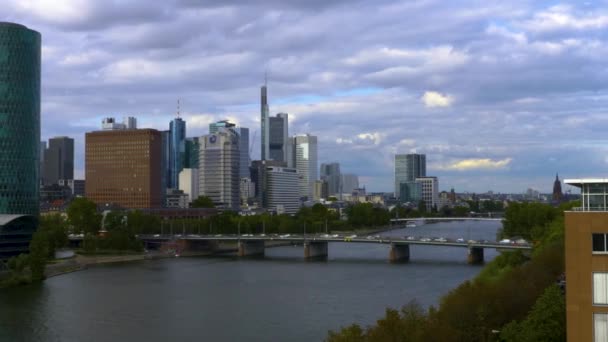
x,y
265,78
178,108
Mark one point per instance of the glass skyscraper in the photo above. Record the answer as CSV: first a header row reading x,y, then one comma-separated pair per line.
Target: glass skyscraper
x,y
177,150
408,167
279,134
20,119
264,120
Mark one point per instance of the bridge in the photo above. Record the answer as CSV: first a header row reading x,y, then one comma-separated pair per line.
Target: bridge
x,y
427,219
316,246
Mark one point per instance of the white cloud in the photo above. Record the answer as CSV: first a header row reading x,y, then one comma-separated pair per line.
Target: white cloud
x,y
477,164
435,99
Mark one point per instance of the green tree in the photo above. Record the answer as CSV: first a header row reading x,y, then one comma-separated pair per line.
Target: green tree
x,y
39,250
83,216
202,202
55,228
352,333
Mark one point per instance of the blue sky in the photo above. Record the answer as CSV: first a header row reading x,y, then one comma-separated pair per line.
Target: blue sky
x,y
499,95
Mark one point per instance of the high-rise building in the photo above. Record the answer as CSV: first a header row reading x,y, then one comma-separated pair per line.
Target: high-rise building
x,y
177,149
408,167
429,191
265,124
188,183
110,124
20,121
247,190
130,122
305,161
59,160
259,179
321,190
331,174
410,192
123,167
586,248
219,168
165,174
349,182
41,161
279,134
245,160
214,127
283,196
191,153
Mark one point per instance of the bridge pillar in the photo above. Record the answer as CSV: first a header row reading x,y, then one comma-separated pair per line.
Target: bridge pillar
x,y
250,248
475,255
314,249
399,253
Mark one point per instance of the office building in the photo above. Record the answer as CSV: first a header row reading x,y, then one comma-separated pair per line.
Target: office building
x,y
349,182
282,196
408,167
247,190
165,174
219,169
177,149
123,167
265,124
321,190
305,161
331,174
429,191
20,120
110,123
410,192
279,134
176,199
188,183
41,151
214,127
77,186
59,160
191,153
586,247
259,180
245,161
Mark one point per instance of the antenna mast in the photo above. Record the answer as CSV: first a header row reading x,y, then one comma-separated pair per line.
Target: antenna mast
x,y
178,108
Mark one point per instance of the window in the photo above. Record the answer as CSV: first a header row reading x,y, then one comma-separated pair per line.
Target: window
x,y
599,243
600,327
600,288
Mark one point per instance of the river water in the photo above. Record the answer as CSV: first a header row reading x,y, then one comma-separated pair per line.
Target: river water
x,y
280,297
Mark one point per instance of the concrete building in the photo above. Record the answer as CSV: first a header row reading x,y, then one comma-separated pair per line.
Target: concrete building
x,y
265,124
408,167
188,183
110,123
279,135
20,120
165,175
349,182
283,196
58,160
247,190
259,179
321,190
214,127
331,174
586,245
176,199
219,169
177,150
245,160
305,161
429,188
41,151
77,186
124,167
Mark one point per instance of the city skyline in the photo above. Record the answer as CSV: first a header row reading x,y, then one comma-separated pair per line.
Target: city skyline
x,y
486,95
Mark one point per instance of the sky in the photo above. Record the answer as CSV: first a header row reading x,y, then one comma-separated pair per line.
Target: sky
x,y
500,95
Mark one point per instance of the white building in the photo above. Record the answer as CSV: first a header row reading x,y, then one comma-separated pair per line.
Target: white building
x,y
305,162
219,159
247,188
188,183
429,191
283,196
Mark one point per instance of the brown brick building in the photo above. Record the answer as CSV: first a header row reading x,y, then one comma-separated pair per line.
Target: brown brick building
x,y
124,167
586,238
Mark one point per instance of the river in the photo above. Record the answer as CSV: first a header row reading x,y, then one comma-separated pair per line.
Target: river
x,y
280,297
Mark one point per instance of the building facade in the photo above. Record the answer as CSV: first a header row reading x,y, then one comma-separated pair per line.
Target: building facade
x,y
429,191
219,160
177,150
58,160
124,167
188,183
20,119
408,167
586,245
283,196
245,161
349,182
305,161
191,153
331,174
321,190
265,124
279,134
410,192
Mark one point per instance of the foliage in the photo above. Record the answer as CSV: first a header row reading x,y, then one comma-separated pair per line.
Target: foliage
x,y
528,220
39,251
55,229
545,322
366,214
83,216
202,202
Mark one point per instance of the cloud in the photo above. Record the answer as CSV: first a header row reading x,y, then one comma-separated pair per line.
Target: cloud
x,y
478,164
435,99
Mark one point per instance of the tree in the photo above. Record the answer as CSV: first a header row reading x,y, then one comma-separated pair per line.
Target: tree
x,y
55,228
202,202
39,250
83,216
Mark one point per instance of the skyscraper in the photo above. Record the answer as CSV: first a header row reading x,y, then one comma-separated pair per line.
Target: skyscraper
x,y
408,167
215,126
191,154
265,125
177,148
245,160
124,167
305,162
429,191
20,118
279,134
59,160
349,182
331,174
219,168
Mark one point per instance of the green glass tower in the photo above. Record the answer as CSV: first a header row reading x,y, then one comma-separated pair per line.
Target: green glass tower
x,y
19,119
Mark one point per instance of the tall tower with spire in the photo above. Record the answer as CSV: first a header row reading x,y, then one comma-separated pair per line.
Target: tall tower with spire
x,y
177,148
265,146
557,190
